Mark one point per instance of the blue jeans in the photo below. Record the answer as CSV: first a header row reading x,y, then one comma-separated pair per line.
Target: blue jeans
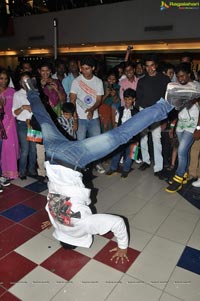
x,y
80,153
186,140
125,152
27,151
88,128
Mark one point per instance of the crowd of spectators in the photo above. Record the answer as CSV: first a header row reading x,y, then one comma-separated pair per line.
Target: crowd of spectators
x,y
84,103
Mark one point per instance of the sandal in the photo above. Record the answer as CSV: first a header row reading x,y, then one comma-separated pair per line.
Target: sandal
x,y
170,168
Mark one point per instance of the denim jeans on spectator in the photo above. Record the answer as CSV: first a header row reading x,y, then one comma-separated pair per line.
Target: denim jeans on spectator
x,y
186,140
88,128
81,153
125,152
28,155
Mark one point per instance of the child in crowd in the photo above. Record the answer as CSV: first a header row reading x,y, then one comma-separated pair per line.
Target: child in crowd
x,y
66,120
123,114
68,199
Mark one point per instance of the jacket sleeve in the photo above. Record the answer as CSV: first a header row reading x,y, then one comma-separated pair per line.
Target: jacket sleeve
x,y
103,223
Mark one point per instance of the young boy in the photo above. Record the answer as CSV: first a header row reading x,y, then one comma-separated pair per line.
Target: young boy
x,y
68,198
122,115
66,120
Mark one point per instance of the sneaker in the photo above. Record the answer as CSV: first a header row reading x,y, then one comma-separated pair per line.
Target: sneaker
x,y
121,161
100,169
124,174
196,183
110,172
160,174
170,180
138,161
28,84
4,181
185,178
144,166
22,177
174,187
1,188
180,96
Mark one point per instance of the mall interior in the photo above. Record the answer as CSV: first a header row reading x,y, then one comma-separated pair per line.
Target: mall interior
x,y
164,228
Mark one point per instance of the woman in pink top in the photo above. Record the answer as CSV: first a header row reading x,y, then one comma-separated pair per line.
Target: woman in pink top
x,y
10,146
52,88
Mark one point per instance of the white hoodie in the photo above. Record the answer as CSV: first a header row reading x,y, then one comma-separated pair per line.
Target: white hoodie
x,y
67,182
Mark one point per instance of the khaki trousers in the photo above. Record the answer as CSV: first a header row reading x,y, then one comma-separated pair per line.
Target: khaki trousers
x,y
194,168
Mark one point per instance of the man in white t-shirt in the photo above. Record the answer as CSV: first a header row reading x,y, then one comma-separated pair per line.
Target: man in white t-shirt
x,y
86,93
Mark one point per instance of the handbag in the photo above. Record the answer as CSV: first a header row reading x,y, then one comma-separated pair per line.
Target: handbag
x,y
34,135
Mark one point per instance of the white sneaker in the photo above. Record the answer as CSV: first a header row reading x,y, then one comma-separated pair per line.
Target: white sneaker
x,y
138,161
196,183
100,169
4,181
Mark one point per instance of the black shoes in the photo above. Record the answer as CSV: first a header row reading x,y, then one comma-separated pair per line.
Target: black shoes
x,y
161,175
176,185
124,174
31,175
22,177
110,172
41,179
144,166
67,246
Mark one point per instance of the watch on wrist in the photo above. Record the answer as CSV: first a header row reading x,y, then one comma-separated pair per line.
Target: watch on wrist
x,y
198,128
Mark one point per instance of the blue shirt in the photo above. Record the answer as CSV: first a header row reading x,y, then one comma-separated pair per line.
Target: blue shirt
x,y
66,83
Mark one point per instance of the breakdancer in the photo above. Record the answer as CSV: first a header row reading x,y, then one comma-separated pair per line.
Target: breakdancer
x,y
68,198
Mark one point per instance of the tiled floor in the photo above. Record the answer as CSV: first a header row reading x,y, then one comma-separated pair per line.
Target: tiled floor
x,y
164,245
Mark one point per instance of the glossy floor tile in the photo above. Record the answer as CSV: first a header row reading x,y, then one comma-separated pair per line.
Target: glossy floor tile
x,y
164,247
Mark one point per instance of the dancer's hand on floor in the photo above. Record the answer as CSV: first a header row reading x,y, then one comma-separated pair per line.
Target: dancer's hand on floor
x,y
46,225
119,255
